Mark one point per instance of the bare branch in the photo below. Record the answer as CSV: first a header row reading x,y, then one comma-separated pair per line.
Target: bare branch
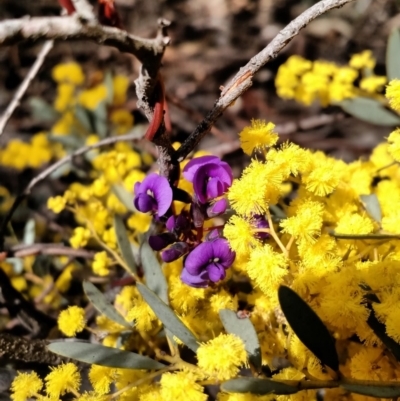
x,y
148,51
45,173
243,79
84,10
25,84
23,250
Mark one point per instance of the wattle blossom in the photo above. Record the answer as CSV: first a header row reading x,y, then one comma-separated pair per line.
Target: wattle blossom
x,y
207,262
210,176
153,194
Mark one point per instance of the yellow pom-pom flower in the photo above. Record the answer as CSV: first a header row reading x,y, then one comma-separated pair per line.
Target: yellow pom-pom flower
x,y
394,144
101,378
362,60
259,135
181,386
62,379
80,237
101,263
222,356
393,94
72,320
25,385
56,204
68,72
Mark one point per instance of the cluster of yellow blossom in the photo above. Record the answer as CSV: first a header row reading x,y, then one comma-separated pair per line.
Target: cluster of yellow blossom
x,y
307,81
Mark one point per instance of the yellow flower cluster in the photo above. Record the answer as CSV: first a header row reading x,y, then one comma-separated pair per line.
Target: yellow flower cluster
x,y
306,81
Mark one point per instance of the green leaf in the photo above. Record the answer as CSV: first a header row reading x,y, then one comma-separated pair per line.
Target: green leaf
x,y
371,111
41,110
100,120
375,236
84,117
372,206
125,197
257,386
124,243
100,302
373,389
392,55
108,82
155,279
71,141
380,331
104,356
62,170
168,317
308,327
244,329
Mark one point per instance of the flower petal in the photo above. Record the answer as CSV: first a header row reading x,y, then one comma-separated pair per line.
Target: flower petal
x,y
222,251
161,190
191,168
144,203
199,258
198,281
216,272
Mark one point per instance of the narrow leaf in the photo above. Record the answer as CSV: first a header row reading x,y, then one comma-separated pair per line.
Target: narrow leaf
x,y
100,302
155,279
100,120
371,111
104,356
373,389
380,331
84,118
257,386
308,327
124,243
392,55
29,232
375,236
109,84
168,317
372,206
41,110
125,197
244,329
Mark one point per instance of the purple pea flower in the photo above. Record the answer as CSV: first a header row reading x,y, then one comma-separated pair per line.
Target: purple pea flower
x,y
153,194
207,262
210,176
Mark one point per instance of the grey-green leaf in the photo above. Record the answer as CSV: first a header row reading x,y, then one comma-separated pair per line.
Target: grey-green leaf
x,y
125,197
392,55
84,118
371,111
372,206
308,327
124,243
100,302
100,119
108,82
244,329
41,110
168,317
257,386
104,356
373,389
155,279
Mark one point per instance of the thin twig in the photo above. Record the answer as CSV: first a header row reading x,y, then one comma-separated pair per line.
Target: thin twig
x,y
48,171
23,250
243,79
48,45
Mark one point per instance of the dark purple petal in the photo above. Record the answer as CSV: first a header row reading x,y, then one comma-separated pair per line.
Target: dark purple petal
x,y
191,168
213,234
170,224
216,272
158,242
214,188
199,258
200,281
144,203
217,208
260,222
174,252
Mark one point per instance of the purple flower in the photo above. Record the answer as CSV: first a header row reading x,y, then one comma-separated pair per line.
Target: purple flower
x,y
207,262
210,176
219,207
153,194
174,252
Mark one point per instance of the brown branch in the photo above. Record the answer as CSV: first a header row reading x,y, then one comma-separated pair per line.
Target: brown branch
x,y
48,171
243,79
25,84
148,51
23,250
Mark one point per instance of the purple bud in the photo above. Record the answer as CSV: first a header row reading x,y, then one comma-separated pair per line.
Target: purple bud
x,y
174,252
170,224
158,242
219,207
260,221
197,215
213,234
